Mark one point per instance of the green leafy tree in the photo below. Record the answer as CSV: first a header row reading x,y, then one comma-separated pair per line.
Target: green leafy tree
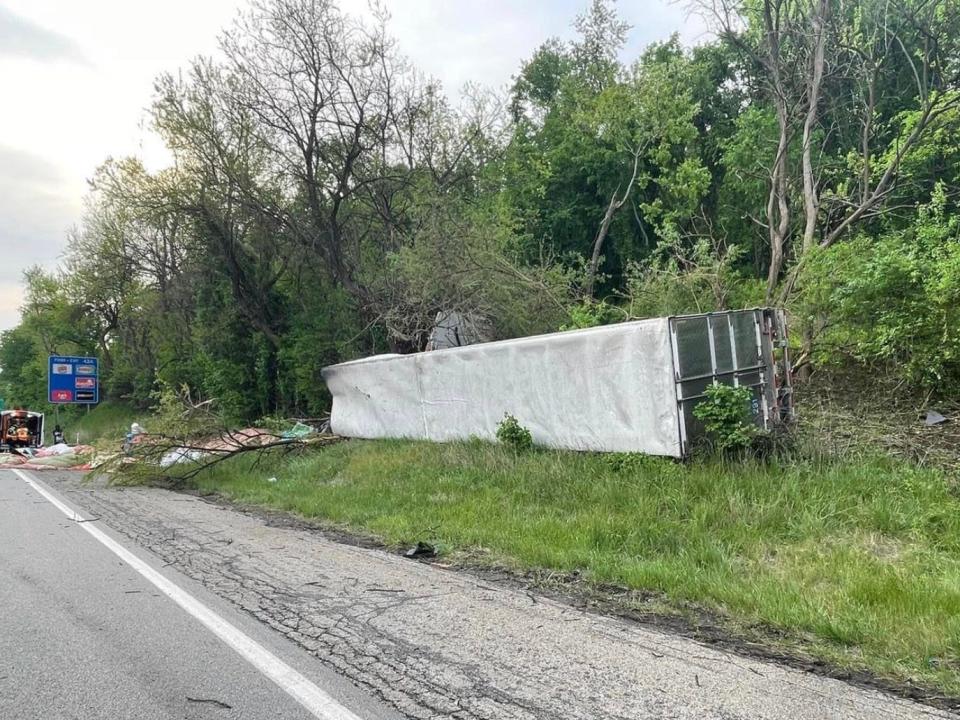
x,y
893,302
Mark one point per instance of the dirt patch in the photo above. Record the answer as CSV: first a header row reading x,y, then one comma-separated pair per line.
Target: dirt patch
x,y
844,412
650,609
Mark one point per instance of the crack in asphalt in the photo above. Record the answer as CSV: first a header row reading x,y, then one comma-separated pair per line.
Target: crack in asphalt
x,y
437,644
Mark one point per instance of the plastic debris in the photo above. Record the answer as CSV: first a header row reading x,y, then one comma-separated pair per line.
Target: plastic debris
x,y
298,431
135,436
180,455
58,449
55,457
421,550
934,418
60,462
271,480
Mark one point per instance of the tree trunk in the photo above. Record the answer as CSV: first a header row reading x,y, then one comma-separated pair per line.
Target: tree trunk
x,y
778,206
598,243
811,203
612,208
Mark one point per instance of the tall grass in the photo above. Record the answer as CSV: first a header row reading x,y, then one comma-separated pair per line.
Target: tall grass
x,y
856,560
106,421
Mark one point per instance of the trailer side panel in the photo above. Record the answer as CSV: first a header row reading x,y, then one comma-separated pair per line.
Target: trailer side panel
x,y
609,388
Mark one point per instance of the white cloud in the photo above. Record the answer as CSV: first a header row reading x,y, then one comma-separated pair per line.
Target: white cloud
x,y
20,37
36,205
61,119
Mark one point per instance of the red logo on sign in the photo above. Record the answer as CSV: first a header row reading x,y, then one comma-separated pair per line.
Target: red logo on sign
x,y
87,383
61,396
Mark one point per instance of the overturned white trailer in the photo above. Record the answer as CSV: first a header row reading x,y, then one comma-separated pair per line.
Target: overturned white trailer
x,y
625,387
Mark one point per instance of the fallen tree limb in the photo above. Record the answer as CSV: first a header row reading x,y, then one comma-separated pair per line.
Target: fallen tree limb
x,y
172,457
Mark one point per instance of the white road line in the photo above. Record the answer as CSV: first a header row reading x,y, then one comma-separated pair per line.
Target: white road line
x,y
319,703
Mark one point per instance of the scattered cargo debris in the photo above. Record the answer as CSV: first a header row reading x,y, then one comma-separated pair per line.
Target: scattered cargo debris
x,y
421,550
194,453
298,431
55,457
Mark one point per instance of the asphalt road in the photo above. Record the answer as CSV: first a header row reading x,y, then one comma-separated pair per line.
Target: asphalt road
x,y
84,634
428,641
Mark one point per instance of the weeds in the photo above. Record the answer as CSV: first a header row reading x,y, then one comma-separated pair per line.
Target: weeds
x,y
514,435
858,560
725,414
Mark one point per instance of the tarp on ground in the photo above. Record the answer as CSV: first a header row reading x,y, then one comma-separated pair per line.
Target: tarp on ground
x,y
608,388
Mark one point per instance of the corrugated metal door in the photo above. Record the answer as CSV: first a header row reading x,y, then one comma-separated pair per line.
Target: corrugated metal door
x,y
734,348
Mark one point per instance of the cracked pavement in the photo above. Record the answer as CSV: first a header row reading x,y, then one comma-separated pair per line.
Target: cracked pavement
x,y
435,643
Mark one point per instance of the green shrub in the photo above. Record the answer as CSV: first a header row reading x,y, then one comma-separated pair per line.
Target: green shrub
x,y
625,462
514,435
677,280
891,302
725,414
591,313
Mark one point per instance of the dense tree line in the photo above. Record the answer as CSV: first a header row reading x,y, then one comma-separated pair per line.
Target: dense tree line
x,y
327,200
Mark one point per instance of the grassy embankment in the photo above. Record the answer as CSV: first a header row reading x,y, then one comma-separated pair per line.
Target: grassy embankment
x,y
107,421
854,561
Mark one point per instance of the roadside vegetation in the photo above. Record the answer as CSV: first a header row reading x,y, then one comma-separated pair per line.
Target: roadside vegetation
x,y
108,422
855,561
327,201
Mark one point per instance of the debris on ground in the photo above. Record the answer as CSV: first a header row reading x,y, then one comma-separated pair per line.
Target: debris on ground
x,y
842,414
56,457
298,431
421,550
180,455
142,447
58,449
200,450
210,701
237,439
934,418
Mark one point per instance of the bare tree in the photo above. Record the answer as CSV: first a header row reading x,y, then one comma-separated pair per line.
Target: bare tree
x,y
922,35
612,208
807,49
814,82
774,53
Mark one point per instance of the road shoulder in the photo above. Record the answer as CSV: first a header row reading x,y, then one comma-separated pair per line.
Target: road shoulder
x,y
432,642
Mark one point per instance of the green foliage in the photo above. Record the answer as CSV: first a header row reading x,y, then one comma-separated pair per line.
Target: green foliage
x,y
578,133
893,302
680,280
23,380
725,414
591,313
275,244
108,422
176,414
854,561
459,260
514,435
634,464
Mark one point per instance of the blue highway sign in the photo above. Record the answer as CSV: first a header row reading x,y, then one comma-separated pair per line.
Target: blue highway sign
x,y
73,380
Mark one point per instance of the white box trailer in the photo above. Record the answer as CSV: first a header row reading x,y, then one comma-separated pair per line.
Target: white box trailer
x,y
628,387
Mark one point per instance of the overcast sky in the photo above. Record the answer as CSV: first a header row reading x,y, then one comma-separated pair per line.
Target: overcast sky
x,y
76,77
